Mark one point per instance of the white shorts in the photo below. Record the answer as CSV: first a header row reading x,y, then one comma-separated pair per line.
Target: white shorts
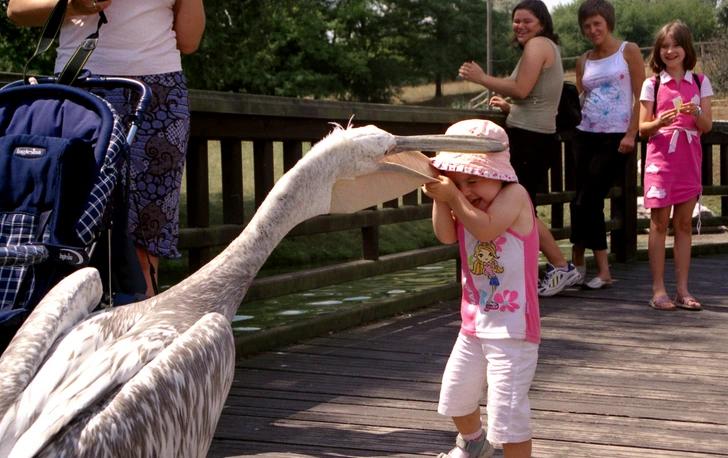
x,y
509,366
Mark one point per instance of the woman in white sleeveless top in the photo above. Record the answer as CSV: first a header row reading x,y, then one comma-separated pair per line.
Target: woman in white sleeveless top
x,y
142,40
610,77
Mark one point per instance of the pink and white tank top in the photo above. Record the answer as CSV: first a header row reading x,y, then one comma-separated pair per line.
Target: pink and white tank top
x,y
499,281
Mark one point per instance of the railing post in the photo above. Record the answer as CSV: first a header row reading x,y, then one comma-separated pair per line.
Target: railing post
x,y
292,153
707,166
262,169
370,242
231,156
724,177
624,209
557,173
198,196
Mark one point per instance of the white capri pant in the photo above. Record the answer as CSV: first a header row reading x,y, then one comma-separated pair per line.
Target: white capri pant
x,y
508,365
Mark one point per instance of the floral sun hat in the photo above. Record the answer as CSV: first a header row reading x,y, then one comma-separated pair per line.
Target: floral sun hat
x,y
496,166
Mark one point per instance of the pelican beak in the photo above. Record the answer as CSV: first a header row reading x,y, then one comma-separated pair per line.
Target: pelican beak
x,y
453,143
402,169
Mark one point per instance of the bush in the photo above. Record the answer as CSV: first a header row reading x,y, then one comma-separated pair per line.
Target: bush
x,y
715,63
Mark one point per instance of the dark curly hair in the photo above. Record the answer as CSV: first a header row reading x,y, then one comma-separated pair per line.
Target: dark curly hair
x,y
538,8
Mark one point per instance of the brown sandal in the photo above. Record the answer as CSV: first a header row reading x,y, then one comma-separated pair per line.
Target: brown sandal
x,y
688,303
662,303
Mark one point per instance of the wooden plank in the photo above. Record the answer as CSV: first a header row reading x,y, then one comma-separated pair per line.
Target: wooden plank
x,y
615,379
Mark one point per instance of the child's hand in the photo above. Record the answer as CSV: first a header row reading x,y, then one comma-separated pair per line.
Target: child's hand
x,y
689,108
443,189
667,117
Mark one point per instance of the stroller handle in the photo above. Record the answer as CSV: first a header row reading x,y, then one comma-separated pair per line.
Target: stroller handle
x,y
88,81
113,82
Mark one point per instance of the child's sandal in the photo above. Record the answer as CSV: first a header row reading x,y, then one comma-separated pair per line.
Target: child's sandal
x,y
688,303
662,303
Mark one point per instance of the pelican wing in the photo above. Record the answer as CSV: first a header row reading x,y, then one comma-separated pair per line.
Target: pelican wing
x,y
73,374
169,408
66,304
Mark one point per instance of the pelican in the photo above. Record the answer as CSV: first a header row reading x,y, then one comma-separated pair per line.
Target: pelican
x,y
150,379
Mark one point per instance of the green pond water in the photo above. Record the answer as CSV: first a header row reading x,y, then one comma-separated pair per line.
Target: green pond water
x,y
265,314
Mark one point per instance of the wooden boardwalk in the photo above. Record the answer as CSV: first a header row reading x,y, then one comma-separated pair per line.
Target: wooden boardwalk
x,y
615,379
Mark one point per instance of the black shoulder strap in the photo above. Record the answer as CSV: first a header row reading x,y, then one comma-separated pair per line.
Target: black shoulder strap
x,y
50,32
75,64
697,81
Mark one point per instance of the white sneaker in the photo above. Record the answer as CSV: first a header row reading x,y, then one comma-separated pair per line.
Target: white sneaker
x,y
558,278
598,283
478,448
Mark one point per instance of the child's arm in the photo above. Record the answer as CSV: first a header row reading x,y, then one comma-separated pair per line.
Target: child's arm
x,y
703,116
649,125
487,224
510,209
443,221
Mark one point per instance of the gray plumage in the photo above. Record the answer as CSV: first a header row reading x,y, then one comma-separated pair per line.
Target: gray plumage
x,y
151,378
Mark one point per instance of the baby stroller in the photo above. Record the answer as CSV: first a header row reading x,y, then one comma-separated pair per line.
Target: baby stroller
x,y
63,151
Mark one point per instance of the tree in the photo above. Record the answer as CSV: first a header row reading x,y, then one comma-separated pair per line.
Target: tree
x,y
17,45
722,15
638,21
275,47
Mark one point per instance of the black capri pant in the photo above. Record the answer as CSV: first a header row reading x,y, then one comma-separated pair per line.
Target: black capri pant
x,y
597,164
532,154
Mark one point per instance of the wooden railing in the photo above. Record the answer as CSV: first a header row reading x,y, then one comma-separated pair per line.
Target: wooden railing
x,y
263,120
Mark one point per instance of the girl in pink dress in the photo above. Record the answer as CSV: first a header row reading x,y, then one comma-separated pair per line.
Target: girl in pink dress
x,y
673,116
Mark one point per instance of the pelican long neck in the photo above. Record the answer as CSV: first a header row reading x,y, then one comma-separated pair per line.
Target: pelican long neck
x,y
304,192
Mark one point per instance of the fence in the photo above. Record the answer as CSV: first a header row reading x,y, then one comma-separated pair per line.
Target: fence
x,y
263,121
233,119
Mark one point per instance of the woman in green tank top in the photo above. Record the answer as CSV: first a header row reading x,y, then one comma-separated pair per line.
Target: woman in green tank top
x,y
530,96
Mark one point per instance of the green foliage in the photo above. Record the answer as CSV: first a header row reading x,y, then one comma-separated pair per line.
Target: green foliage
x,y
638,21
348,49
722,14
17,45
364,50
715,63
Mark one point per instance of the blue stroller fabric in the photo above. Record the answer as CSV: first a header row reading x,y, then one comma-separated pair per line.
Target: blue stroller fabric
x,y
61,151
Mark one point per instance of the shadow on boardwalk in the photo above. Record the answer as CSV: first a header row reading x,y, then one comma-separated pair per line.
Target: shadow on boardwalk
x,y
615,379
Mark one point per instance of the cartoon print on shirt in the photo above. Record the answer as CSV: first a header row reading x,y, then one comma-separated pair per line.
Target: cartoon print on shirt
x,y
484,261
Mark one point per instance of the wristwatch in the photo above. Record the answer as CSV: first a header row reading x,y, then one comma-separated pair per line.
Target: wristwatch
x,y
698,112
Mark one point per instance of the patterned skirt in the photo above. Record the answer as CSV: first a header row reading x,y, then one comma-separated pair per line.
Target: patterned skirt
x,y
157,161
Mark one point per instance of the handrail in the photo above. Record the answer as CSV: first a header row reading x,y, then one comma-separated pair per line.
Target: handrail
x,y
263,121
